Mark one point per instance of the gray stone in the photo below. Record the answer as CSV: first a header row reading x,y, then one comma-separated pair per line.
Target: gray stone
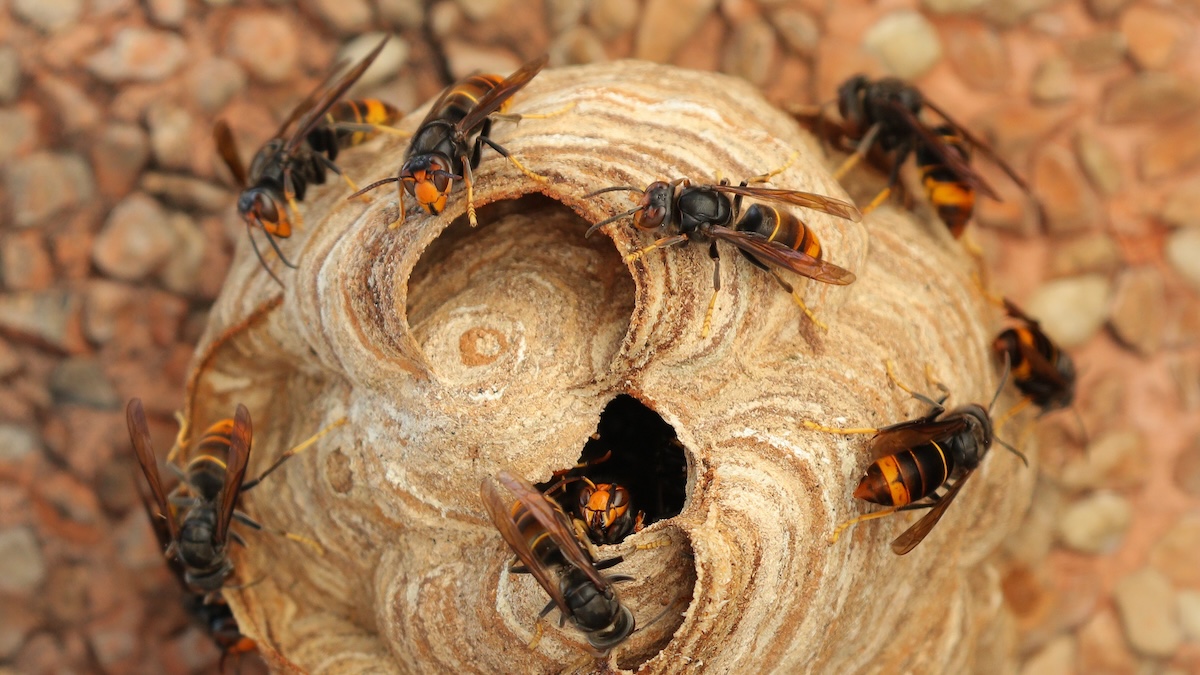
x,y
214,81
1071,309
17,442
48,15
139,54
1183,250
135,241
1095,524
81,381
389,62
22,562
906,42
45,184
10,75
1146,603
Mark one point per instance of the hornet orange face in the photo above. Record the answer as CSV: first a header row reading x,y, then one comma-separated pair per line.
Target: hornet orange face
x,y
605,508
428,179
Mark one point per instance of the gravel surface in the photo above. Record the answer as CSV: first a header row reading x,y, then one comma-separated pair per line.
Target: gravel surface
x,y
119,226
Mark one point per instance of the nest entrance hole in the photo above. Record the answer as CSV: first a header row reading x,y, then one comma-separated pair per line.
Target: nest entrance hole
x,y
633,447
527,265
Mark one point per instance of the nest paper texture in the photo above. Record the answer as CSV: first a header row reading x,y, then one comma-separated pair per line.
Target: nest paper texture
x,y
455,353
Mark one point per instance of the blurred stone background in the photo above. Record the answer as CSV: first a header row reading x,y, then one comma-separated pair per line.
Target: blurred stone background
x,y
119,225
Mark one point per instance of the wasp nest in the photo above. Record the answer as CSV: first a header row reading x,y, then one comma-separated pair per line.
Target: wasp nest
x,y
457,352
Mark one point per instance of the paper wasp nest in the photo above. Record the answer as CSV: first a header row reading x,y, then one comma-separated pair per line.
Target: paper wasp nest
x,y
456,352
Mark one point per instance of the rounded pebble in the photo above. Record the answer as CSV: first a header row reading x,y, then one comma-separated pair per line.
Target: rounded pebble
x,y
170,135
139,54
1182,208
214,81
1055,658
1066,197
81,381
44,184
952,6
977,53
1149,97
1093,251
1099,162
1102,648
391,58
1146,603
169,13
135,240
1187,469
402,13
750,51
1095,524
22,562
1115,460
798,29
10,74
1139,311
48,15
1183,250
119,155
17,442
666,24
906,43
1176,552
1096,52
17,134
1053,81
610,18
1171,150
1189,614
345,17
266,44
1071,309
1154,35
